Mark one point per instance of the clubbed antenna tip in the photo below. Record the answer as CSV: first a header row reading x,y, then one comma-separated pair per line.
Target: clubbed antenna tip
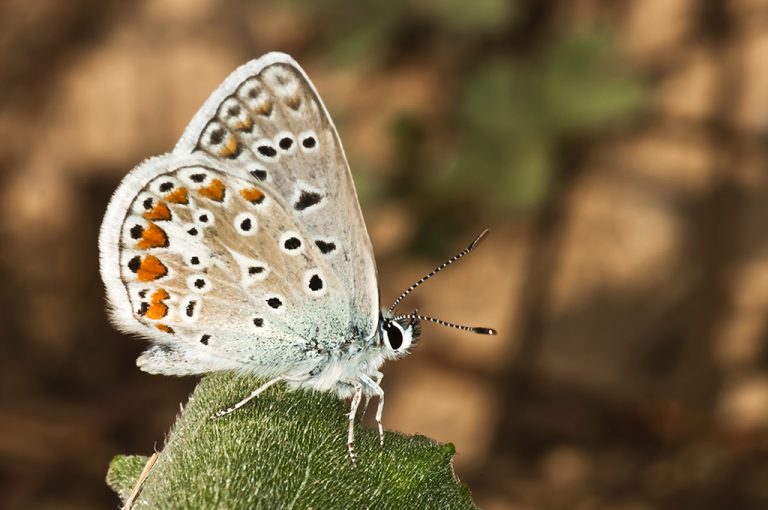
x,y
471,329
479,239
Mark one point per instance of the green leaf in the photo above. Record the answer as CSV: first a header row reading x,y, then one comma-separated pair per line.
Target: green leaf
x,y
286,450
124,470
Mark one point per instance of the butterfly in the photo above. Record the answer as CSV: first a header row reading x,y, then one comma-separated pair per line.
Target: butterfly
x,y
244,249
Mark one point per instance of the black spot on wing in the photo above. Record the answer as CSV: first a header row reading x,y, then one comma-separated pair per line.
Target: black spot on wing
x,y
217,136
307,199
315,283
134,264
259,174
325,247
286,143
266,150
292,243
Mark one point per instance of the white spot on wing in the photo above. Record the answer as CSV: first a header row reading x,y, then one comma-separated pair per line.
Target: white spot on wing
x,y
266,150
203,218
164,185
143,202
195,176
290,243
308,141
235,115
286,142
189,308
282,81
251,270
199,283
315,195
245,224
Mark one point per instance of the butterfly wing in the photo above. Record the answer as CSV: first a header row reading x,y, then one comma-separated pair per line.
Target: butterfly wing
x,y
267,123
216,271
265,144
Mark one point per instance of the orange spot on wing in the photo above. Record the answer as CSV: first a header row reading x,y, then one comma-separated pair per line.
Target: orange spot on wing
x,y
152,237
151,269
264,108
293,102
253,195
165,328
160,212
156,311
159,296
231,149
245,125
178,196
214,191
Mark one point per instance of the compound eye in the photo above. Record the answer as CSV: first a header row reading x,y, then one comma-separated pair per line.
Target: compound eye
x,y
393,334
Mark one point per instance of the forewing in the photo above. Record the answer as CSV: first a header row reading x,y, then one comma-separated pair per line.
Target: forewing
x,y
215,269
266,123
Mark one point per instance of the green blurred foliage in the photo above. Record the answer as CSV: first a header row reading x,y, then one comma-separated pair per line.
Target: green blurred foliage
x,y
463,16
513,116
359,27
366,27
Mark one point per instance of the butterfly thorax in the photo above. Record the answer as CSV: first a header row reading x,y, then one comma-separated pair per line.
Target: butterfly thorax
x,y
392,339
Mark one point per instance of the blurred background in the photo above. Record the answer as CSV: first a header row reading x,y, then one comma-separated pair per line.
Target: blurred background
x,y
618,151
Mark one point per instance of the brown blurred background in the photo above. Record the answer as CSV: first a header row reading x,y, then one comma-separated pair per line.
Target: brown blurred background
x,y
617,150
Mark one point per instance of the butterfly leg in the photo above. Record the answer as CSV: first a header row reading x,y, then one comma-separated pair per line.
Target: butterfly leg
x,y
361,414
352,413
374,384
258,391
377,377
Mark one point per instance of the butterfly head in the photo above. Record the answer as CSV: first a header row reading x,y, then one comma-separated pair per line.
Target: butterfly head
x,y
397,334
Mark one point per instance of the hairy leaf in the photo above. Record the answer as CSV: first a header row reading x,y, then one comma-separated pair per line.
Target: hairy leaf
x,y
286,450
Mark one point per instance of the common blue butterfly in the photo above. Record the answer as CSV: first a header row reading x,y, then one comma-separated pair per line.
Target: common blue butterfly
x,y
244,248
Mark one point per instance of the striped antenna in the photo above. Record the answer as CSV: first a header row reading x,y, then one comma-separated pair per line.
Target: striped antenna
x,y
439,268
471,329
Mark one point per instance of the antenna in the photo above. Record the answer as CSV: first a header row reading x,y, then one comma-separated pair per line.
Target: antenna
x,y
439,268
471,329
